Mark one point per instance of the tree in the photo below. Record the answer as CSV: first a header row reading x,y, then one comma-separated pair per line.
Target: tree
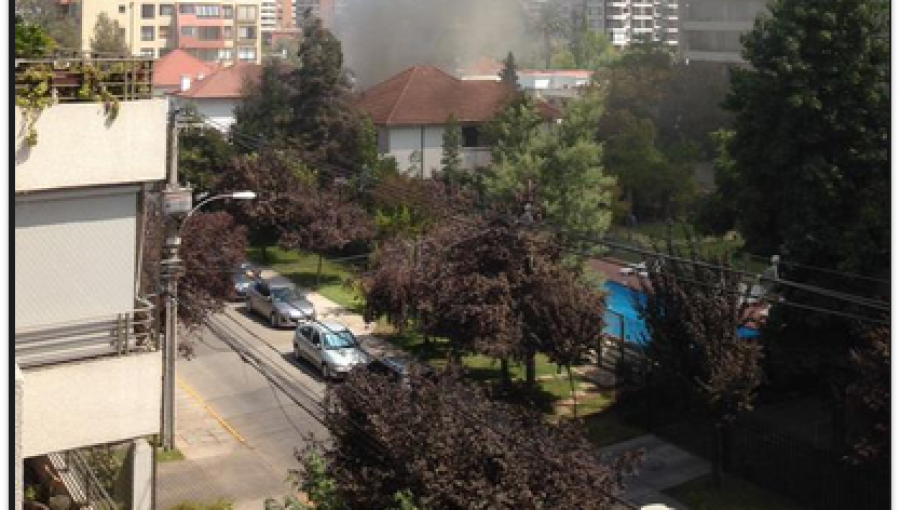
x,y
812,165
717,212
109,36
450,447
810,147
698,363
323,121
46,14
202,154
265,112
868,398
31,41
509,74
591,49
451,161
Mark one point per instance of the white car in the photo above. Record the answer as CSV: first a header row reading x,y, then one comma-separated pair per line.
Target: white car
x,y
330,346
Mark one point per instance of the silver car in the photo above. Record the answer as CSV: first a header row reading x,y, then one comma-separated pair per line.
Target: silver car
x,y
280,302
330,346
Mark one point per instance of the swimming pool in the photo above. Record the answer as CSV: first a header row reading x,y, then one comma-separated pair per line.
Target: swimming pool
x,y
621,312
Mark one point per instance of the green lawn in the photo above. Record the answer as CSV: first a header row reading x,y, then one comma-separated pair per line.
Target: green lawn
x,y
735,494
168,456
301,268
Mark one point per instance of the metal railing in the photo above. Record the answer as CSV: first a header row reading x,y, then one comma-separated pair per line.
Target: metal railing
x,y
82,482
126,78
113,334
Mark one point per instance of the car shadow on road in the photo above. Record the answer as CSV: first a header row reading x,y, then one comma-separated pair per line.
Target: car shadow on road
x,y
304,366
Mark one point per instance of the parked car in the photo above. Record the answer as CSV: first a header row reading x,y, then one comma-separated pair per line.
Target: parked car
x,y
399,369
243,277
280,302
330,346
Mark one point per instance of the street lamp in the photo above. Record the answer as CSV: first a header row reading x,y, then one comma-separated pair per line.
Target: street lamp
x,y
172,269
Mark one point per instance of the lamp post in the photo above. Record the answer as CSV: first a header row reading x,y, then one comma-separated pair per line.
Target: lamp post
x,y
172,269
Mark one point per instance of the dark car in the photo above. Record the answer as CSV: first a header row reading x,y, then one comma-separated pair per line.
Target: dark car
x,y
243,277
400,368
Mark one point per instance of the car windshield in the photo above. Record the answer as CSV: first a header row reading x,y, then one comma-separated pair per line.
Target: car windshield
x,y
339,339
286,294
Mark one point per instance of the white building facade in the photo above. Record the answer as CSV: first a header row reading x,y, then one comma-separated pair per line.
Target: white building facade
x,y
627,21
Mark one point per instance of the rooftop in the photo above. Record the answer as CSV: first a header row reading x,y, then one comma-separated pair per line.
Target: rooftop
x,y
168,70
426,95
224,82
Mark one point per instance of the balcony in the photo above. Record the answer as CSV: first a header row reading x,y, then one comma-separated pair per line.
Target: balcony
x,y
98,123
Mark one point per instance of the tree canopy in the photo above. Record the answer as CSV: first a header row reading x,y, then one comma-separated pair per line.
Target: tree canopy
x,y
109,36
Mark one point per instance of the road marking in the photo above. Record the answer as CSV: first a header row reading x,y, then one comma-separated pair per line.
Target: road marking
x,y
210,410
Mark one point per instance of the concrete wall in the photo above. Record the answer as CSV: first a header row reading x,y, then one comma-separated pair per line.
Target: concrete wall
x,y
77,147
96,402
19,467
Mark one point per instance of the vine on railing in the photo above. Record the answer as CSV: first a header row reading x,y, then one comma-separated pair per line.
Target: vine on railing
x,y
33,97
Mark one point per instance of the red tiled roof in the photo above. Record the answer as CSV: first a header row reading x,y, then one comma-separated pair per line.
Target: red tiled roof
x,y
425,95
484,66
225,82
168,70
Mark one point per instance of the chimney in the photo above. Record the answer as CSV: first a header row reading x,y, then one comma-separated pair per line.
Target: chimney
x,y
185,82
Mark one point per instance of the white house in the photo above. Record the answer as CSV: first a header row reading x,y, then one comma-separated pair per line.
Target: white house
x,y
216,96
411,109
87,363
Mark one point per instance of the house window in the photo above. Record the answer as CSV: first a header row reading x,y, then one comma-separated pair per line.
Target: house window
x,y
164,32
186,8
247,32
209,33
227,12
189,31
208,11
228,32
246,13
121,9
166,9
147,52
147,33
247,54
148,11
225,54
470,136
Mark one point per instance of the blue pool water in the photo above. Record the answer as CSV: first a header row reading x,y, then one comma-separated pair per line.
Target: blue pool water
x,y
621,311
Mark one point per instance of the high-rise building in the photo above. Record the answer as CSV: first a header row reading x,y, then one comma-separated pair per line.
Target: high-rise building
x,y
627,21
211,30
711,29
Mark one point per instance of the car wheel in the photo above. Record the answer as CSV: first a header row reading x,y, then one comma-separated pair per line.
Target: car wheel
x,y
273,320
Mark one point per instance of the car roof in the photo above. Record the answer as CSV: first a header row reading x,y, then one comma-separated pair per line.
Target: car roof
x,y
331,325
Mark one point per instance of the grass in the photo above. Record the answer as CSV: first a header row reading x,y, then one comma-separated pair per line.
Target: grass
x,y
302,267
608,427
219,504
168,456
735,494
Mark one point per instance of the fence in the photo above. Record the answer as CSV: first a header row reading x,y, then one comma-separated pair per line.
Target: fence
x,y
79,76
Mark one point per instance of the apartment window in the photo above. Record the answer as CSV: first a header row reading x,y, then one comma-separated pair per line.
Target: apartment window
x,y
148,11
247,54
209,33
166,9
225,54
227,12
121,9
164,32
186,8
147,52
246,13
208,11
189,31
247,32
147,33
228,32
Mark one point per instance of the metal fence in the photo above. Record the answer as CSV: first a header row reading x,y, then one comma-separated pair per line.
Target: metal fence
x,y
79,76
114,334
81,481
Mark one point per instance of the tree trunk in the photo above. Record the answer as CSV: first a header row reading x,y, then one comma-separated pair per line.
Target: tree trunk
x,y
504,372
572,391
318,271
265,255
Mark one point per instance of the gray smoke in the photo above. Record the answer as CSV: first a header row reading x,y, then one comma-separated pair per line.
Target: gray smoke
x,y
382,37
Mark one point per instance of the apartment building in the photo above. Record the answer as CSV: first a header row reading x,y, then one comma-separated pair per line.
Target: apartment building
x,y
88,367
211,30
711,29
627,21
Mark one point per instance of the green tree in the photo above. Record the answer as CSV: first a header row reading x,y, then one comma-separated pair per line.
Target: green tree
x,y
202,154
509,74
591,49
60,26
451,161
265,111
31,41
812,165
109,36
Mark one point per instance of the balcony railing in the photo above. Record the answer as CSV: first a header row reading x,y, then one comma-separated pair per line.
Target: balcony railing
x,y
76,76
116,335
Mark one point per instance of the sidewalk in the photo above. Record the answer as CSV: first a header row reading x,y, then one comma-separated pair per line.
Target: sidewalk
x,y
217,464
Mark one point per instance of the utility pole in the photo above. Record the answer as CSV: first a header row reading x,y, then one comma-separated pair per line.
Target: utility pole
x,y
176,202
